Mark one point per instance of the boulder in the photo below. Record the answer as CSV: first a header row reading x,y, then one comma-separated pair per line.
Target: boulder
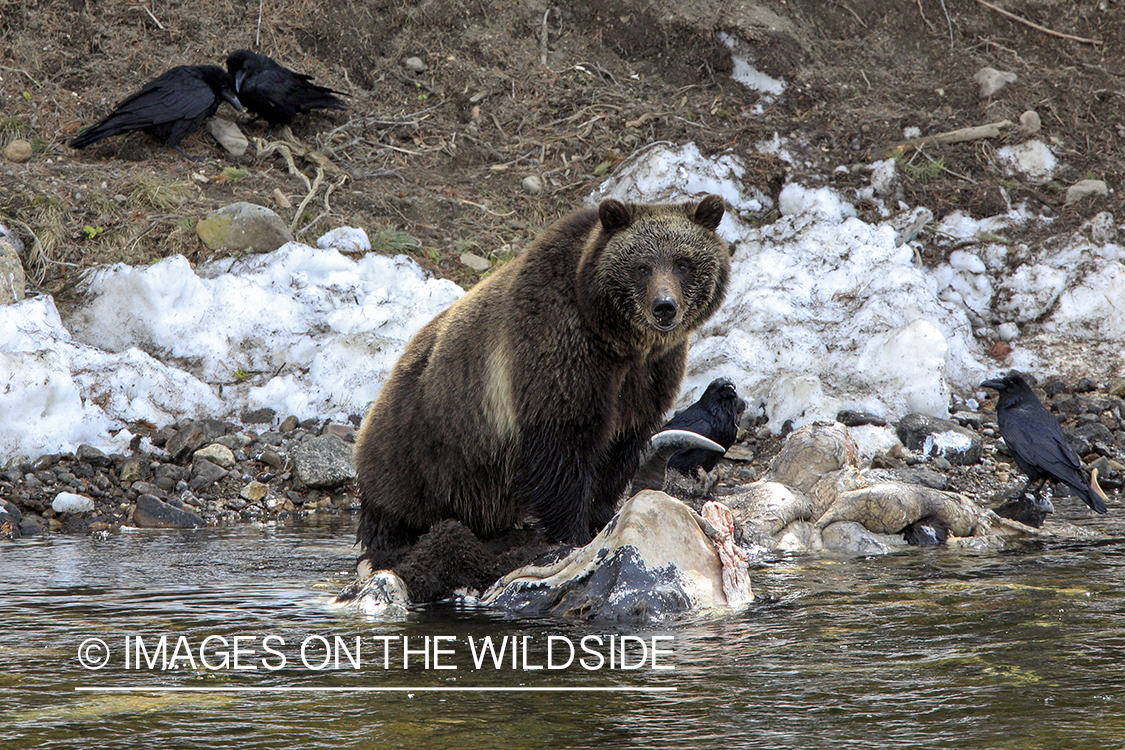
x,y
934,437
154,513
323,462
244,226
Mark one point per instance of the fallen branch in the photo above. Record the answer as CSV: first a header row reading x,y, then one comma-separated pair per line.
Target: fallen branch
x,y
975,133
1037,27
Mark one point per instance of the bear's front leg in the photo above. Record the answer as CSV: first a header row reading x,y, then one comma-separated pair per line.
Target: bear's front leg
x,y
556,480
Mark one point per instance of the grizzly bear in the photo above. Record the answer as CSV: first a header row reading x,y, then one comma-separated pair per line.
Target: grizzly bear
x,y
532,397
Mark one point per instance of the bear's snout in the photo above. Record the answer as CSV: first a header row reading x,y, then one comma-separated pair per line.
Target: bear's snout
x,y
665,311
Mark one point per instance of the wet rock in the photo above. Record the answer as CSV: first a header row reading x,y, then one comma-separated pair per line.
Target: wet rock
x,y
204,474
69,502
932,436
323,462
10,520
244,226
153,513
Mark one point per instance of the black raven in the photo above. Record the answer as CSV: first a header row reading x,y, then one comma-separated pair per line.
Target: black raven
x,y
1036,441
168,107
715,416
275,93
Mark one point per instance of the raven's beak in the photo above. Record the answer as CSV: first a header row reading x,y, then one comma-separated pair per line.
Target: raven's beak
x,y
238,78
996,385
233,101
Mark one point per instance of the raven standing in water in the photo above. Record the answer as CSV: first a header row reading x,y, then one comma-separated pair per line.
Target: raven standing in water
x,y
168,107
275,93
1037,443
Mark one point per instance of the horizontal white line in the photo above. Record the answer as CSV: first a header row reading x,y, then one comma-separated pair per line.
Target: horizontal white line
x,y
365,689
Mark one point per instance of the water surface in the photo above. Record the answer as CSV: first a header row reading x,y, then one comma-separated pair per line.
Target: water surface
x,y
929,648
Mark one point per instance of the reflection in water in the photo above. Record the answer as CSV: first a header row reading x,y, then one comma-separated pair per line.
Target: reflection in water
x,y
1021,648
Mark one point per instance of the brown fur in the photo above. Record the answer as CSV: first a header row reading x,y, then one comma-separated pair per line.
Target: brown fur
x,y
536,391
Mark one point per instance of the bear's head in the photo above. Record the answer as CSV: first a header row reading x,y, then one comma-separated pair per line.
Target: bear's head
x,y
654,272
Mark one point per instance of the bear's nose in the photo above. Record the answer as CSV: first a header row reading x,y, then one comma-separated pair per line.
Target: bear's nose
x,y
664,311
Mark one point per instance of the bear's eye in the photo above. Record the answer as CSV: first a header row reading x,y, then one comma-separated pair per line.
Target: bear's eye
x,y
683,267
643,271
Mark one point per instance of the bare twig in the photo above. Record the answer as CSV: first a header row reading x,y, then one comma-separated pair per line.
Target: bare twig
x,y
155,20
948,22
977,132
543,35
258,32
1037,27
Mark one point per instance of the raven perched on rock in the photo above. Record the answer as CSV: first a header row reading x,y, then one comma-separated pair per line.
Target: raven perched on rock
x,y
275,93
168,107
1037,443
715,416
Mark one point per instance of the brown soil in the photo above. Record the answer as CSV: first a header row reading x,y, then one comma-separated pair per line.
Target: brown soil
x,y
433,162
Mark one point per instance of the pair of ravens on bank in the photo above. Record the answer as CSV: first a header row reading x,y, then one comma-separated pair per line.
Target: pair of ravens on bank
x,y
174,104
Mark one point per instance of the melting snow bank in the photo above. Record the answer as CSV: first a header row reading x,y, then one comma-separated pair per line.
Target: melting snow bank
x,y
824,312
305,331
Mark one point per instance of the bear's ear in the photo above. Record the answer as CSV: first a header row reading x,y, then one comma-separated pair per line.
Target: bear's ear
x,y
709,212
614,215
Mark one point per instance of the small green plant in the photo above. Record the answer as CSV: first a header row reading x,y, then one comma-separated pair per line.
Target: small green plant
x,y
241,375
26,96
392,241
234,174
921,173
92,232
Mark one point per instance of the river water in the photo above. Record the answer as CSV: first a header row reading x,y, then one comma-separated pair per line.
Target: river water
x,y
1018,648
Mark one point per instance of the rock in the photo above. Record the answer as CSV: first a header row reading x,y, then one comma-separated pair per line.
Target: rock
x,y
1084,439
10,521
204,474
91,455
254,492
1084,189
68,502
144,488
475,262
533,184
909,224
153,513
992,80
12,279
216,453
851,418
414,65
288,424
653,559
264,415
1029,122
191,437
18,151
345,432
324,462
346,240
228,135
272,458
933,437
244,226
